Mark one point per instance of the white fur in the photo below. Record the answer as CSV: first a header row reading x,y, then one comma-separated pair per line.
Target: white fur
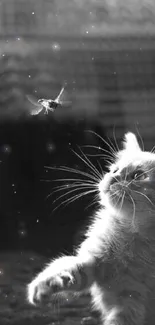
x,y
108,234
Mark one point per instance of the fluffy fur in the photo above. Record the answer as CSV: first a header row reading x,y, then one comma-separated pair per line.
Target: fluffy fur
x,y
116,261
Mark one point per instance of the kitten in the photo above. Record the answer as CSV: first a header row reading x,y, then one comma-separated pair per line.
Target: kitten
x,y
116,261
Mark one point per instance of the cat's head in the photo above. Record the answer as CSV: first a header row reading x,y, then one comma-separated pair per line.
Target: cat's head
x,y
128,189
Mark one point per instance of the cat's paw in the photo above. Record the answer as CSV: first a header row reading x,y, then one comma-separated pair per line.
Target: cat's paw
x,y
42,287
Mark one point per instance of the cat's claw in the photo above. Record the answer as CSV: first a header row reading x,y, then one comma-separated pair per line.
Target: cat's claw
x,y
40,289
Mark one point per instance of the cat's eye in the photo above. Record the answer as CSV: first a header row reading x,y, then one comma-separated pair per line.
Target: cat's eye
x,y
139,175
115,170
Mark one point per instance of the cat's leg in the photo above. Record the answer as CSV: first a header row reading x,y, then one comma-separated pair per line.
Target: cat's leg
x,y
67,273
131,313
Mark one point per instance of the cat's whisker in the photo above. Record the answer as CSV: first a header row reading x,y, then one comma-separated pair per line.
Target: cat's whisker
x,y
76,171
103,140
114,194
117,181
145,172
73,170
120,236
70,180
80,180
74,179
95,172
114,136
74,185
81,194
109,155
118,203
134,209
112,144
117,194
144,196
94,201
130,182
137,185
107,161
102,172
121,203
75,197
68,186
71,191
126,173
99,155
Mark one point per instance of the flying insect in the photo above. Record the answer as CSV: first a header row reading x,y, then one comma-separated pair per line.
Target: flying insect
x,y
46,104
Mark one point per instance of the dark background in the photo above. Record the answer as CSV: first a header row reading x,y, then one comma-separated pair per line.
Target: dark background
x,y
110,94
105,51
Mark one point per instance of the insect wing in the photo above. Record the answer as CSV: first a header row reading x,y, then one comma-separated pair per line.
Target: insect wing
x,y
32,100
37,108
36,111
65,103
60,97
63,99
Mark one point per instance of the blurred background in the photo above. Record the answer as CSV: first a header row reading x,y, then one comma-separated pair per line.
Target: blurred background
x,y
104,51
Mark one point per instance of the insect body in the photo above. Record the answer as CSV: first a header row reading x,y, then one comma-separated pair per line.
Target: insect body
x,y
47,104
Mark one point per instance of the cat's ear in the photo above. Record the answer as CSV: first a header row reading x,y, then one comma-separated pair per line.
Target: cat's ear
x,y
130,142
